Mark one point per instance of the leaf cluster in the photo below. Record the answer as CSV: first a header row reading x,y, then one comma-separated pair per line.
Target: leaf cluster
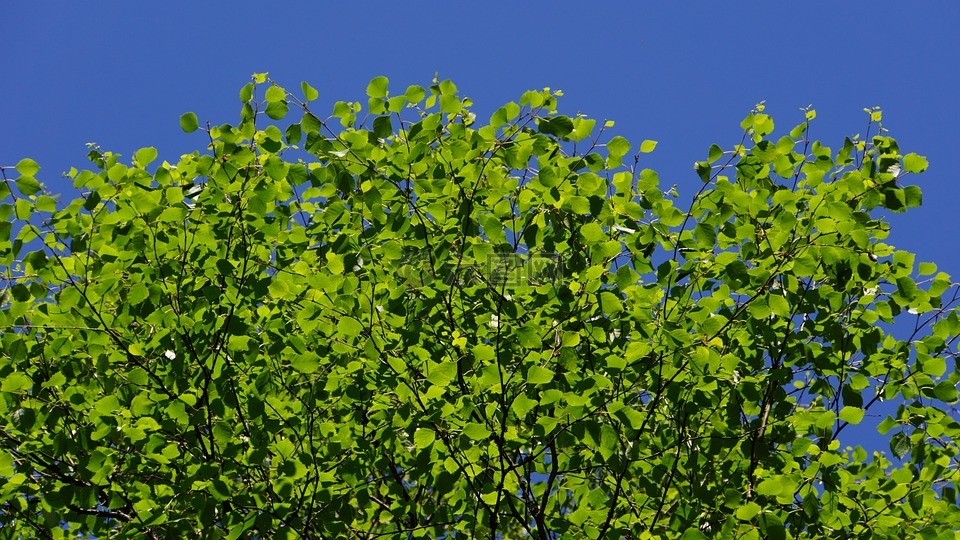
x,y
395,319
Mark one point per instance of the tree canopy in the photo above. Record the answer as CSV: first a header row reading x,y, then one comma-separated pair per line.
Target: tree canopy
x,y
397,320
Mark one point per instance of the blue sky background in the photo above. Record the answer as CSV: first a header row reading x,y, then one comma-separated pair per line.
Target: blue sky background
x,y
683,73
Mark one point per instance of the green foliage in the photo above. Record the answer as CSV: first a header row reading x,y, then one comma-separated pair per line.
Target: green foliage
x,y
410,324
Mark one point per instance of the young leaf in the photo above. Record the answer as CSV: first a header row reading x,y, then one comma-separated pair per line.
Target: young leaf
x,y
377,88
309,93
852,415
475,431
189,122
618,146
914,163
539,375
27,167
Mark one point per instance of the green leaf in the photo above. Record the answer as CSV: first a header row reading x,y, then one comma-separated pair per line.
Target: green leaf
x,y
706,235
16,382
907,288
484,353
107,405
522,405
117,173
28,185
884,427
450,104
913,196
703,170
378,88
747,511
647,146
770,487
618,146
246,92
6,464
145,156
293,134
305,363
55,381
581,128
610,303
914,163
773,527
23,209
382,127
222,433
276,110
779,305
310,123
475,431
415,94
138,293
350,327
539,375
443,373
189,122
558,126
900,445
529,337
578,205
693,534
852,415
825,419
274,94
309,93
714,324
592,232
504,114
714,154
424,437
946,391
284,448
933,366
27,167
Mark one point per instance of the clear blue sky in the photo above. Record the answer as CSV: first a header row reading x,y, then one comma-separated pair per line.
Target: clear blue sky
x,y
683,73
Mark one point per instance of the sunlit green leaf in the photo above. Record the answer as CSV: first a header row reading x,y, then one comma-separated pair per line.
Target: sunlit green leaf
x,y
377,87
15,382
274,94
747,511
443,373
189,122
558,126
899,445
423,438
27,167
852,415
914,163
476,431
618,146
145,156
28,185
309,93
539,375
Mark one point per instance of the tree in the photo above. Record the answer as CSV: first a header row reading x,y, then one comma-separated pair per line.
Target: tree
x,y
411,324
